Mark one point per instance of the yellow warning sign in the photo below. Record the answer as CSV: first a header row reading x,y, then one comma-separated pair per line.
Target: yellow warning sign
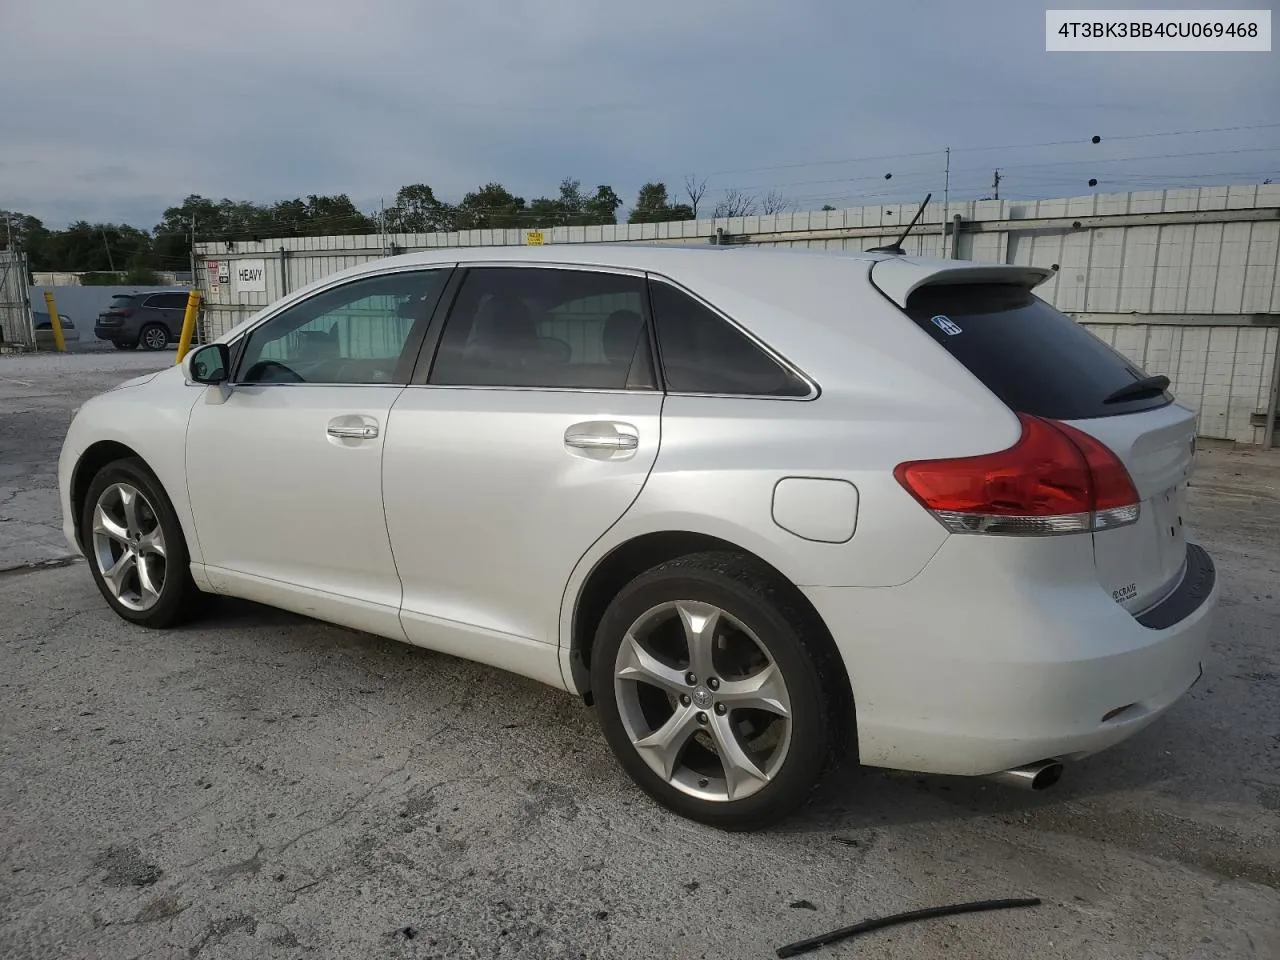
x,y
533,238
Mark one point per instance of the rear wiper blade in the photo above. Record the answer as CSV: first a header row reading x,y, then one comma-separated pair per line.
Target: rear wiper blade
x,y
1140,388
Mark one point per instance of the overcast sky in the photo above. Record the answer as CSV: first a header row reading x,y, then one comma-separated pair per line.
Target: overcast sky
x,y
115,110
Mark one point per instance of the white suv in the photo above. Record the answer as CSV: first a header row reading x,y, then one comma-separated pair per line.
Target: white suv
x,y
757,506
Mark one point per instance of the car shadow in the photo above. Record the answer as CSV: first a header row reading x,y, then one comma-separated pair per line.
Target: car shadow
x,y
1204,755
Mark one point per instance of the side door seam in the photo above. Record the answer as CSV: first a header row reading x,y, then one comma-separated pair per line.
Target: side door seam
x,y
561,641
382,495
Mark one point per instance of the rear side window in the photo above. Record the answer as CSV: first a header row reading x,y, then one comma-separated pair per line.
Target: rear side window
x,y
167,301
704,353
546,327
1033,357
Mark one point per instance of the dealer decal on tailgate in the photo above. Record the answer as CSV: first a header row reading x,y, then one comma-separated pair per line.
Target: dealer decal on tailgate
x,y
1127,592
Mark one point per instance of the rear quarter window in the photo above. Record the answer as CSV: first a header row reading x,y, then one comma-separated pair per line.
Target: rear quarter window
x,y
703,353
1035,358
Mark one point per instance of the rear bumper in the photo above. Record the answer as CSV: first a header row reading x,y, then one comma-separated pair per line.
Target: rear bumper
x,y
970,669
117,331
1199,580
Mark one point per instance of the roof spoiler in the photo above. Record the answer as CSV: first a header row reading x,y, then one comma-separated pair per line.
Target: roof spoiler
x,y
898,278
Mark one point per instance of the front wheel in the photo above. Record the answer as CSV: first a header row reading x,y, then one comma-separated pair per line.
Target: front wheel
x,y
710,687
135,546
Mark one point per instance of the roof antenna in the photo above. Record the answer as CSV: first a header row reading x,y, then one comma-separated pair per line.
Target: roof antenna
x,y
896,246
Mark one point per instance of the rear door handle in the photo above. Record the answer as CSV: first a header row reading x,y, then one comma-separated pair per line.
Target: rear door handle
x,y
603,439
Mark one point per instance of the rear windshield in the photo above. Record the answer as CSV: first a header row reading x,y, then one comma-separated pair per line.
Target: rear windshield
x,y
120,301
1030,355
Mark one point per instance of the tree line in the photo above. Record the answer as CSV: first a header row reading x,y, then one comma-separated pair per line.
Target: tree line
x,y
119,251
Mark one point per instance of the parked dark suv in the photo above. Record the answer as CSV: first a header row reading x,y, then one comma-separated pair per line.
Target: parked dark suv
x,y
153,320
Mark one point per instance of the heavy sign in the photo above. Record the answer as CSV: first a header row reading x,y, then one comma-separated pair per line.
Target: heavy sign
x,y
250,276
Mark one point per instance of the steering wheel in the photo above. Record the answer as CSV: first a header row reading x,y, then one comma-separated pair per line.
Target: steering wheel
x,y
255,374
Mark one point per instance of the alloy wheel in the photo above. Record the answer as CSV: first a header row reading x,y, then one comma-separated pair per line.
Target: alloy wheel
x,y
129,546
702,701
156,339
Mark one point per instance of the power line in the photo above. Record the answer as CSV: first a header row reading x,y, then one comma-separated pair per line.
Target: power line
x,y
1015,167
821,163
1161,156
976,186
1016,146
1028,173
1131,136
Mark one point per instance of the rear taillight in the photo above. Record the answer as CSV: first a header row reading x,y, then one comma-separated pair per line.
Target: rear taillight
x,y
125,312
1055,479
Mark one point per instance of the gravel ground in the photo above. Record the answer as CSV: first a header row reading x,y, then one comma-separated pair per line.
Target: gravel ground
x,y
261,785
38,394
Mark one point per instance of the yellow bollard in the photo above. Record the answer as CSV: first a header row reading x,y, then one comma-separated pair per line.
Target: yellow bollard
x,y
55,324
189,323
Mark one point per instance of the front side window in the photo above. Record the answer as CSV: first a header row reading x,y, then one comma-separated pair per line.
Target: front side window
x,y
546,327
355,333
704,353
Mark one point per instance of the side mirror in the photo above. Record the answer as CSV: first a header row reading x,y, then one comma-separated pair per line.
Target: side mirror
x,y
210,364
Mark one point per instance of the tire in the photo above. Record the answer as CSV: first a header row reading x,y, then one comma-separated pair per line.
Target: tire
x,y
176,597
154,336
655,608
124,345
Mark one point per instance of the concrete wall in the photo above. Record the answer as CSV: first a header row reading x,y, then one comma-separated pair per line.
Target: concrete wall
x,y
1185,282
1222,372
83,304
63,278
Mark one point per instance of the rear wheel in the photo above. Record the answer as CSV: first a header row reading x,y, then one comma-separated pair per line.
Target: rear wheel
x,y
154,336
135,546
710,691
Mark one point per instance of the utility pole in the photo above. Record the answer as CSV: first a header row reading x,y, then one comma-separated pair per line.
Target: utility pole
x,y
193,250
110,259
946,204
995,185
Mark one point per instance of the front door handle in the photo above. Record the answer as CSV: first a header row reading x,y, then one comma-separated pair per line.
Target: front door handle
x,y
591,441
352,428
365,432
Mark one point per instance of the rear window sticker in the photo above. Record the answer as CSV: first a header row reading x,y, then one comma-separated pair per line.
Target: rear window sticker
x,y
946,325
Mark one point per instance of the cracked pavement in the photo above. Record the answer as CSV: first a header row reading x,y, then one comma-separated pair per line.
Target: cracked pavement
x,y
262,785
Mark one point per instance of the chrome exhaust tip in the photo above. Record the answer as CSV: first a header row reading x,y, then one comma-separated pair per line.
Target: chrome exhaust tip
x,y
1034,776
